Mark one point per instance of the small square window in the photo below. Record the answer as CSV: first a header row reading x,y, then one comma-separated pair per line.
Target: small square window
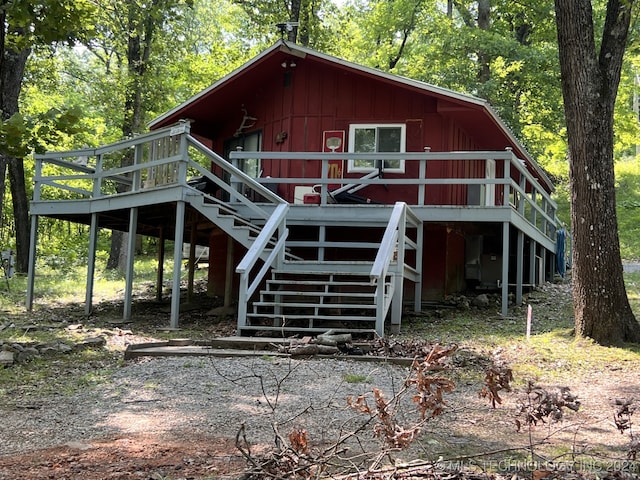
x,y
376,138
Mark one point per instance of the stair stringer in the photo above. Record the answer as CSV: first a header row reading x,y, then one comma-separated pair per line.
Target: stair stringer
x,y
237,227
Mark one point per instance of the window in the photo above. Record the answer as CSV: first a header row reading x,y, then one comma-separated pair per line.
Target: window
x,y
376,138
251,142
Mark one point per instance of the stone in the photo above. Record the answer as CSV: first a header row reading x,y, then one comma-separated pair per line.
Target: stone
x,y
221,312
64,347
27,354
92,342
48,350
481,301
6,358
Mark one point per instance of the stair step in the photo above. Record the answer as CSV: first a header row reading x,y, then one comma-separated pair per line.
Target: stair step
x,y
320,306
310,293
318,283
345,318
261,328
306,267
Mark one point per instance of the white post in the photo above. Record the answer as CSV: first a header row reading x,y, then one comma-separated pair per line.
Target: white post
x,y
398,275
505,269
419,260
177,264
33,239
519,266
131,250
91,263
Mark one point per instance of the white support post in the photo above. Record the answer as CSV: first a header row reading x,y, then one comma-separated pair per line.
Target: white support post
x,y
521,200
505,269
419,259
160,259
322,237
136,178
532,262
177,264
519,266
507,181
398,274
324,175
242,301
131,250
228,273
91,264
380,298
422,174
191,272
33,239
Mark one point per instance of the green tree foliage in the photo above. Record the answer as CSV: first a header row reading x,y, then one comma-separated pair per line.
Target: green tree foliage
x,y
307,19
503,51
207,42
25,25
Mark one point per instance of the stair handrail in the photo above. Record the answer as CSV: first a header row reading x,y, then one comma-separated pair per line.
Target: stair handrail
x,y
275,223
238,175
392,248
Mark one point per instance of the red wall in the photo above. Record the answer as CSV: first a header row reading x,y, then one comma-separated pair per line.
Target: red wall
x,y
307,100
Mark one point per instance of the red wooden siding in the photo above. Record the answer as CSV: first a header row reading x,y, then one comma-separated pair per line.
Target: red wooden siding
x,y
306,100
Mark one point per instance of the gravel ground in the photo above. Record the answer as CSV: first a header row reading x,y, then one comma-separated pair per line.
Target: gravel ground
x,y
203,396
178,417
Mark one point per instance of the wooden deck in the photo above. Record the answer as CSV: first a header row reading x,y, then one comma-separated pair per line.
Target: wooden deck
x,y
144,185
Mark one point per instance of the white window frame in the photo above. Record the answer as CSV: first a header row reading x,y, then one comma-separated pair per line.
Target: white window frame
x,y
403,145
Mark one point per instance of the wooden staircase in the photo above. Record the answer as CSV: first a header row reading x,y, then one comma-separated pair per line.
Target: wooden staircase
x,y
227,219
309,296
283,293
331,295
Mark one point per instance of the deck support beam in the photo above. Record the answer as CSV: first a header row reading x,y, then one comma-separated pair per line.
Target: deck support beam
x,y
417,302
160,272
519,266
91,264
131,250
177,264
192,261
533,267
33,238
505,269
228,273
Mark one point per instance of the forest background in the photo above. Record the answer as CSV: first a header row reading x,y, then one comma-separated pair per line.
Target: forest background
x,y
126,61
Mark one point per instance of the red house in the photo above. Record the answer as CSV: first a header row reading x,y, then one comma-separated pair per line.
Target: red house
x,y
329,193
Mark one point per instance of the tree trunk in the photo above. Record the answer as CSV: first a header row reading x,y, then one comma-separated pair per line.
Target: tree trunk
x,y
590,84
294,16
484,23
3,175
20,213
138,53
13,64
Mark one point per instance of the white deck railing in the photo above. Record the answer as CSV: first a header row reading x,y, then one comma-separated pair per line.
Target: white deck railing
x,y
161,159
516,188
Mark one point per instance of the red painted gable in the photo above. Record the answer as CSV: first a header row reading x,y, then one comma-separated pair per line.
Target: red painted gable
x,y
294,94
